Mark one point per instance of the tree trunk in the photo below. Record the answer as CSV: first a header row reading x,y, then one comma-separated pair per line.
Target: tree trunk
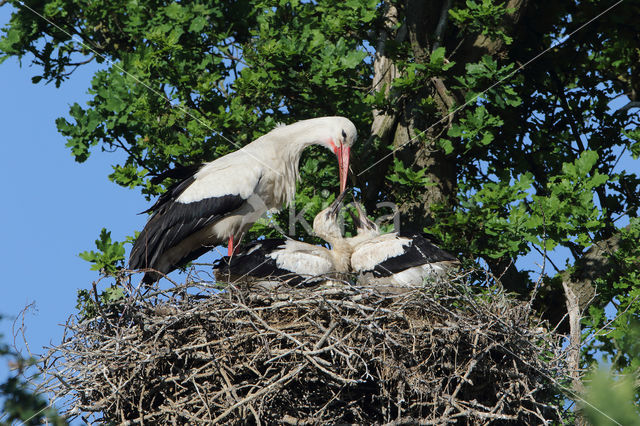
x,y
384,122
412,132
409,128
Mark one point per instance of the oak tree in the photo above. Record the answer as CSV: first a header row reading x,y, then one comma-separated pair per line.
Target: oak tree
x,y
506,127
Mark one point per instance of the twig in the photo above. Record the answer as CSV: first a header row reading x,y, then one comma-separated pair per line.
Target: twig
x,y
191,354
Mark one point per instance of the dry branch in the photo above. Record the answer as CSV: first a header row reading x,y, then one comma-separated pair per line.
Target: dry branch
x,y
308,356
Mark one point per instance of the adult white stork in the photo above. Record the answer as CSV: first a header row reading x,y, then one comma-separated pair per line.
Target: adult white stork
x,y
397,258
220,201
271,262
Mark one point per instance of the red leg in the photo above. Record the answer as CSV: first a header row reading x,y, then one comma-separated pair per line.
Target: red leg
x,y
230,249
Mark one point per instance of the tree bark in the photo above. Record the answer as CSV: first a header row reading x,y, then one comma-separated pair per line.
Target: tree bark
x,y
474,49
424,25
407,128
574,349
411,131
384,122
414,137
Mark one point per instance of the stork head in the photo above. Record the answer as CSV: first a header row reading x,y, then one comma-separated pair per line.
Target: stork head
x,y
364,225
326,225
342,135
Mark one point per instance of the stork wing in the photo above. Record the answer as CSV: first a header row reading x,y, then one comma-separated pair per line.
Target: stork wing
x,y
285,260
189,206
253,261
176,222
392,253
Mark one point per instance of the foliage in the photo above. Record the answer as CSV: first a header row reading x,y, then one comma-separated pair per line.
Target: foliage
x,y
483,18
610,401
528,108
89,304
110,257
109,260
19,401
408,178
619,336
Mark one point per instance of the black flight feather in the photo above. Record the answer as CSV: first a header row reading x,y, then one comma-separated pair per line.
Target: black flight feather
x,y
420,251
254,262
172,222
178,172
171,194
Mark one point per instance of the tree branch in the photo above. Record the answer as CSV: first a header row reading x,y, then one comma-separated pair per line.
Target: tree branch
x,y
595,263
384,122
474,49
573,360
441,28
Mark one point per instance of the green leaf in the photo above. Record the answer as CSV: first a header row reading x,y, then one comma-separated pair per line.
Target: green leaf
x,y
446,145
437,56
585,162
197,24
109,258
353,59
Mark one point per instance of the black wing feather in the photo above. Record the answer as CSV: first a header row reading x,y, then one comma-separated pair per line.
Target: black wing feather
x,y
178,172
254,261
173,221
171,193
420,251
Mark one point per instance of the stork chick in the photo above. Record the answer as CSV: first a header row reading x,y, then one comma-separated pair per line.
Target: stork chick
x,y
396,258
271,262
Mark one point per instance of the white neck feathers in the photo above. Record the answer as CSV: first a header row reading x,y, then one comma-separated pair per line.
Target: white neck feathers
x,y
283,147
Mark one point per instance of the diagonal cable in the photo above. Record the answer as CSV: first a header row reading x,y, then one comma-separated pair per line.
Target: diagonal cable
x,y
137,80
475,98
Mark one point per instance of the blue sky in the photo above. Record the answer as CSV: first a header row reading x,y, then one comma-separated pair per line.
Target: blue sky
x,y
52,208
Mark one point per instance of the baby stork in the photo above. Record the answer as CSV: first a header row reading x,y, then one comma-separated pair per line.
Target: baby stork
x,y
271,262
397,258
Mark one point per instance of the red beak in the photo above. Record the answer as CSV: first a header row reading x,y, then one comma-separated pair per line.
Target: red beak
x,y
342,152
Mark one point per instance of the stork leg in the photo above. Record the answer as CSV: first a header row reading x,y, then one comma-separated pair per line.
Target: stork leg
x,y
230,248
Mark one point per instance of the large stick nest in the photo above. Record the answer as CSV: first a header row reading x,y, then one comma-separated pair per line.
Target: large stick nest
x,y
338,354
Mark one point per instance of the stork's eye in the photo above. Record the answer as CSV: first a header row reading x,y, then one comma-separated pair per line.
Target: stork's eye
x,y
344,135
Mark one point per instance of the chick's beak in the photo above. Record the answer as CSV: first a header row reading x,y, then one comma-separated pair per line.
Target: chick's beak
x,y
361,220
335,206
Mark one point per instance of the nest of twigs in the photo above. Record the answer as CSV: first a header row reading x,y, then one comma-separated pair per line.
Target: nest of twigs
x,y
336,354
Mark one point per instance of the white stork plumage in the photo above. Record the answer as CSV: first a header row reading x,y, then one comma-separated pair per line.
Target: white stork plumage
x,y
395,259
220,201
270,262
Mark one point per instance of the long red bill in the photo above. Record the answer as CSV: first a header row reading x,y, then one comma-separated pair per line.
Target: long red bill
x,y
342,152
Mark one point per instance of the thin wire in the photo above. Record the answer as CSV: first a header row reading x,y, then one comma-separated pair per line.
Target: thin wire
x,y
137,80
569,391
451,114
37,413
475,98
